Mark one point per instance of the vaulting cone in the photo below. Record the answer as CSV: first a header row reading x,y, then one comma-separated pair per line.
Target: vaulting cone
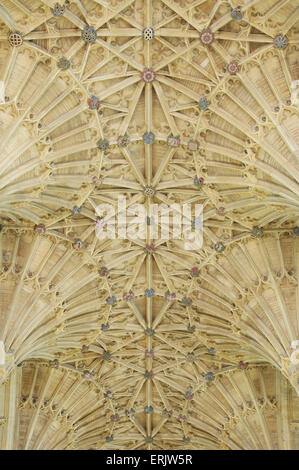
x,y
34,307
51,411
246,408
256,288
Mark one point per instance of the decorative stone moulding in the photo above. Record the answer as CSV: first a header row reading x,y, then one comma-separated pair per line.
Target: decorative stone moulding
x,y
103,144
78,245
149,293
186,301
243,365
237,13
167,413
89,34
232,67
40,229
130,413
100,223
281,42
209,377
149,374
219,247
128,296
257,232
220,211
76,210
149,248
206,37
148,75
198,182
149,332
190,357
173,141
58,9
111,300
114,418
15,39
203,103
105,326
149,191
148,138
149,353
94,103
63,63
54,364
170,296
107,356
148,34
148,410
123,140
194,272
103,271
193,145
87,375
97,180
182,418
189,395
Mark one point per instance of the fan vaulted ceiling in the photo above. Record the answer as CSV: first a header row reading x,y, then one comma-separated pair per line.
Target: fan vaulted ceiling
x,y
140,344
